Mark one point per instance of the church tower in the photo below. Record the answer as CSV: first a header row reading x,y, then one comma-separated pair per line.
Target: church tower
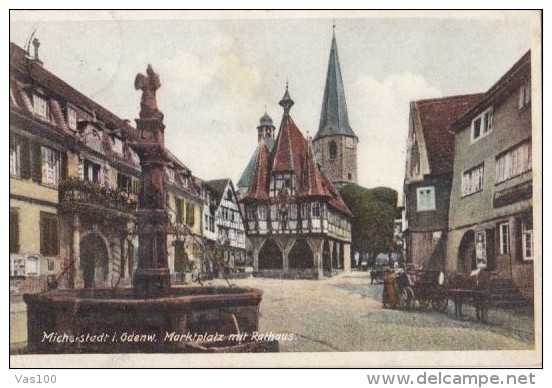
x,y
335,142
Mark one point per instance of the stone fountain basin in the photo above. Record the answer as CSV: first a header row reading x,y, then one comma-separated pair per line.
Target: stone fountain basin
x,y
113,321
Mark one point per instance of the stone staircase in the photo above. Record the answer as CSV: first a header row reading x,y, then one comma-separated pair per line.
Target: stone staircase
x,y
505,294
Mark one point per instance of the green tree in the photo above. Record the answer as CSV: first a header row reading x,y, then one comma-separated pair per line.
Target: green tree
x,y
373,211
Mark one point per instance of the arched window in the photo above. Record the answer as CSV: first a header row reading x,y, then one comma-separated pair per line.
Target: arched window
x,y
333,150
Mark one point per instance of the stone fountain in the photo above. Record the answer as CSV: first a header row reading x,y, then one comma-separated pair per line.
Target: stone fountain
x,y
151,316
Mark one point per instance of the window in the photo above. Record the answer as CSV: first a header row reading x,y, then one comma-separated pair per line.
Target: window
x,y
349,176
527,239
40,106
15,155
513,162
251,212
91,171
190,214
425,198
170,173
135,186
525,94
480,250
504,238
273,212
50,166
282,183
14,231
333,150
179,204
124,182
315,209
49,242
482,124
305,210
293,211
229,195
71,118
472,180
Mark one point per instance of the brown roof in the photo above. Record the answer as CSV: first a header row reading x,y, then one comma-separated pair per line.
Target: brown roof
x,y
218,185
259,183
436,116
312,182
292,153
36,73
288,148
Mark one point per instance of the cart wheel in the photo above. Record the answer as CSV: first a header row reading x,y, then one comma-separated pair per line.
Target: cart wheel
x,y
406,299
424,303
440,303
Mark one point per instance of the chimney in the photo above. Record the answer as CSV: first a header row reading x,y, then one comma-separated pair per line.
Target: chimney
x,y
36,45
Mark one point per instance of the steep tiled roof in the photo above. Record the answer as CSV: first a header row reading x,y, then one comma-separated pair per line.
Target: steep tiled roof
x,y
435,117
259,183
36,73
289,147
292,153
218,185
312,182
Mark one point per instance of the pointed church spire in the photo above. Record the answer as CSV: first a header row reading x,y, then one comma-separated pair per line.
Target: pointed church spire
x,y
334,118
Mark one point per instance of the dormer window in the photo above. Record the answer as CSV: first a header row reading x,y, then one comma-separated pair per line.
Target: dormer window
x,y
71,118
40,106
282,184
482,124
170,173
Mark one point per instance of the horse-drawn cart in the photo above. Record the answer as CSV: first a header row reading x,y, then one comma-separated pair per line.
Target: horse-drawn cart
x,y
429,289
403,288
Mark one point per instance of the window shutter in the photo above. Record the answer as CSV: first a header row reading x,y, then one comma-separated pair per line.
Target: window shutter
x,y
14,231
36,158
190,214
49,237
54,236
25,159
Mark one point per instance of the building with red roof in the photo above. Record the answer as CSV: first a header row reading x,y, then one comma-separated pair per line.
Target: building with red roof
x,y
297,222
428,176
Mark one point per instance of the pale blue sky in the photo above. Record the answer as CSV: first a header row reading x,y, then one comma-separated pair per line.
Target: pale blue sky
x,y
219,74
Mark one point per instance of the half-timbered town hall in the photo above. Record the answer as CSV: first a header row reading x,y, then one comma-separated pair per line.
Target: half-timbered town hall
x,y
296,220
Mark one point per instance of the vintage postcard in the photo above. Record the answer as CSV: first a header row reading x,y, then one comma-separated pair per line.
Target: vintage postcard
x,y
275,189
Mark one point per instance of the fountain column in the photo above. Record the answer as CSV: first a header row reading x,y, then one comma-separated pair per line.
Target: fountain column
x,y
151,278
